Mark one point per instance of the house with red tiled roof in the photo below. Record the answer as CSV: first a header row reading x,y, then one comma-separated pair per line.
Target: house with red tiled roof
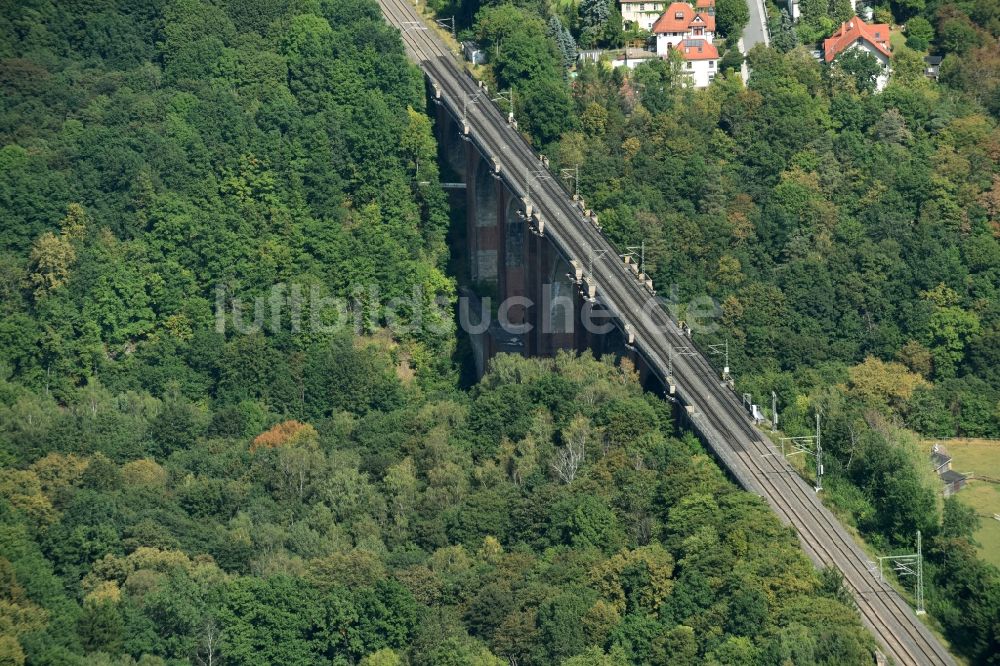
x,y
701,61
680,22
873,38
705,7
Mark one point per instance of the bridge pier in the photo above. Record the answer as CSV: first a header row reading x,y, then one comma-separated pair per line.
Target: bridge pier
x,y
534,285
449,138
482,193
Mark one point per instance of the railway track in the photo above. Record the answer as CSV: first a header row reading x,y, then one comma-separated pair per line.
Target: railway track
x,y
717,412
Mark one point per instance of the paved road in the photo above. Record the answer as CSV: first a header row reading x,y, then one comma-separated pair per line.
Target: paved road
x,y
713,408
756,30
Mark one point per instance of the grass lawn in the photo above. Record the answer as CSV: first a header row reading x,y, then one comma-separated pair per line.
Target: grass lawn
x,y
981,457
896,37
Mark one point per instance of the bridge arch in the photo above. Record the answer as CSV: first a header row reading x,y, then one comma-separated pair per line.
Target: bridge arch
x,y
561,300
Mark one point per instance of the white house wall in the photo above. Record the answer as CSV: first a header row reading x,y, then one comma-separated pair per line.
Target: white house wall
x,y
643,14
883,78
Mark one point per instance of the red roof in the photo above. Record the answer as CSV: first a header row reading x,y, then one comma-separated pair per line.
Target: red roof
x,y
704,4
853,30
681,17
697,49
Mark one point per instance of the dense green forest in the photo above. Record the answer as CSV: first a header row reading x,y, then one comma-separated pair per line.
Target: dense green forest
x,y
851,240
181,483
454,530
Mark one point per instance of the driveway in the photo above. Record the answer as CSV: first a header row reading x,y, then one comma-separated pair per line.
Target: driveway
x,y
756,30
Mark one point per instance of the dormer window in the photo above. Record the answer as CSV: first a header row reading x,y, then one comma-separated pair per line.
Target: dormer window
x,y
678,15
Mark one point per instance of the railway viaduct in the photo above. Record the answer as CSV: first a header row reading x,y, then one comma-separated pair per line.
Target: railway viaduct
x,y
527,296
526,237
